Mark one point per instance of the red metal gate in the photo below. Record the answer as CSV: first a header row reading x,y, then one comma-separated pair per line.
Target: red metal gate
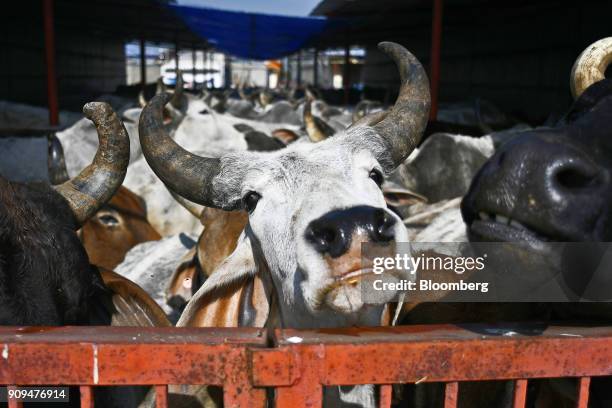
x,y
301,363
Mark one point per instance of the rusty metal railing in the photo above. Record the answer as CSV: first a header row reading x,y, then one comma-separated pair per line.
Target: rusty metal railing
x,y
96,356
300,363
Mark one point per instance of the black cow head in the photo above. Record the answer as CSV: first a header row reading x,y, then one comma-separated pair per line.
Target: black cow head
x,y
553,185
45,275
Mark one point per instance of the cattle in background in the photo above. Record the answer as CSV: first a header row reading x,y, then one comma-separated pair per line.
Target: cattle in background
x,y
47,278
178,104
202,130
118,226
258,141
443,167
285,135
365,107
310,206
316,128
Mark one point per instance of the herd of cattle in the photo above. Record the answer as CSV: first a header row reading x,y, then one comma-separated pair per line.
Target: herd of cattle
x,y
214,210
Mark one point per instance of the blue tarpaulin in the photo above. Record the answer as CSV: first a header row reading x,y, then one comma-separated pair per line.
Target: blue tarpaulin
x,y
253,35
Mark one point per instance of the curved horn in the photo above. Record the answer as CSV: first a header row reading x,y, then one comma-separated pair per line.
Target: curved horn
x,y
177,96
160,87
56,162
142,101
99,181
590,66
316,128
370,119
193,208
405,123
187,174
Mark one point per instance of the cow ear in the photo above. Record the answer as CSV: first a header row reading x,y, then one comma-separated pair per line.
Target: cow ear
x,y
230,276
399,196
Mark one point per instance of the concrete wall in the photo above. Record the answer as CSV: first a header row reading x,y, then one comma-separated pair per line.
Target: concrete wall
x,y
86,65
520,59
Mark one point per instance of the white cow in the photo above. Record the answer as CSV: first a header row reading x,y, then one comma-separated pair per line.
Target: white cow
x,y
310,207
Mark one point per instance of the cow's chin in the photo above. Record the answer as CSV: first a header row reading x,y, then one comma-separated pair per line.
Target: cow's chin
x,y
347,295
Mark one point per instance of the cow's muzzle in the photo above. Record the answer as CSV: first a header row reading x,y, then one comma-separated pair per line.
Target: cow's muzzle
x,y
332,233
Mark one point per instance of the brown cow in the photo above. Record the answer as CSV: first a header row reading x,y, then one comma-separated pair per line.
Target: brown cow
x,y
132,306
217,241
116,228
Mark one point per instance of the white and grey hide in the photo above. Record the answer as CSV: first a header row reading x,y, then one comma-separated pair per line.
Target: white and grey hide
x,y
151,264
438,222
444,165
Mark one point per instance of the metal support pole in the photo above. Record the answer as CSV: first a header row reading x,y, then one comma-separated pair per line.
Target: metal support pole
x,y
52,101
193,67
346,74
315,67
143,65
228,71
299,68
205,67
176,58
204,75
288,73
436,39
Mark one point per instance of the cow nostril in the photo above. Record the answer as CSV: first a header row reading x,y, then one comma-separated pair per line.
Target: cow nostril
x,y
385,227
327,236
574,178
322,237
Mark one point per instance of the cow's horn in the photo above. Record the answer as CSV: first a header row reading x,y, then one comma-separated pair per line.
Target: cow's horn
x,y
178,91
590,66
99,181
142,101
187,174
160,87
405,123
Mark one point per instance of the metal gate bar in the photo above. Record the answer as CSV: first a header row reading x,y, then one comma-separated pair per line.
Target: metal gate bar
x,y
520,393
306,361
302,363
93,356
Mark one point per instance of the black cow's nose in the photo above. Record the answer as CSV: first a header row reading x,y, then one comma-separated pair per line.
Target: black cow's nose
x,y
332,232
572,174
545,181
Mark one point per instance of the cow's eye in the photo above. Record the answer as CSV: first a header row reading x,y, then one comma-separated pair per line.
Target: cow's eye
x,y
250,200
108,219
377,176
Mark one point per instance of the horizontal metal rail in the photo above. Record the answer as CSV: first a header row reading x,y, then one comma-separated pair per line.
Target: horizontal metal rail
x,y
302,362
95,356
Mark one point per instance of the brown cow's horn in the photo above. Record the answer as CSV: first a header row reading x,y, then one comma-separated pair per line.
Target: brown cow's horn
x,y
142,101
99,181
590,66
178,91
186,174
405,123
160,87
